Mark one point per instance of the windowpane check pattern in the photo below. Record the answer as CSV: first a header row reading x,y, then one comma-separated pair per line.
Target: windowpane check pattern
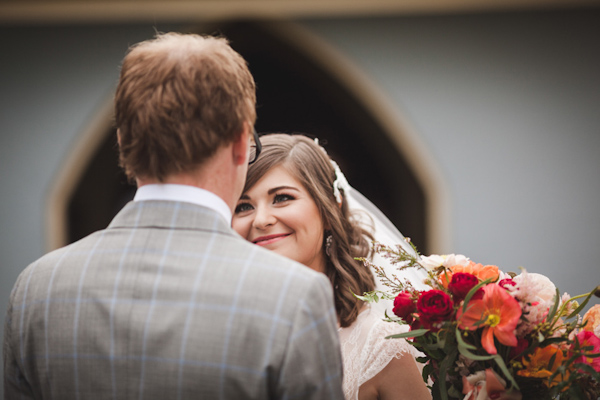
x,y
169,302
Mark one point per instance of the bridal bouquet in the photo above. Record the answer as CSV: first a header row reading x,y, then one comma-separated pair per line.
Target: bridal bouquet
x,y
489,334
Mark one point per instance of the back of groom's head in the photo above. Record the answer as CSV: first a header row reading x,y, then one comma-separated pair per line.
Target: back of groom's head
x,y
180,97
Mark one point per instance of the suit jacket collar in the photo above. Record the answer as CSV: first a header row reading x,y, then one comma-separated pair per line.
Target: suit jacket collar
x,y
170,215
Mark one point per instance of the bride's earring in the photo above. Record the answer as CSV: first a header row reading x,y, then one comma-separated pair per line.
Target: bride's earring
x,y
328,241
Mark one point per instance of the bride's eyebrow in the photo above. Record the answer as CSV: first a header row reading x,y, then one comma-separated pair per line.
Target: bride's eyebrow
x,y
275,189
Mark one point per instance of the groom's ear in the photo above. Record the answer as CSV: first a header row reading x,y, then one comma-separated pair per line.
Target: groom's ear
x,y
240,146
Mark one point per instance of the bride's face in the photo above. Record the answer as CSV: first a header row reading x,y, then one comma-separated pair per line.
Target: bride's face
x,y
279,214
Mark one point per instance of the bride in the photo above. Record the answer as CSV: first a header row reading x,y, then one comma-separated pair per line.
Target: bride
x,y
297,203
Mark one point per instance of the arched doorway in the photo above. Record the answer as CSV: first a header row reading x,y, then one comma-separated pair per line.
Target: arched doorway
x,y
295,94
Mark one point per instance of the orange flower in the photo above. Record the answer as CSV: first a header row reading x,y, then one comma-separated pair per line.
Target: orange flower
x,y
538,364
497,313
482,272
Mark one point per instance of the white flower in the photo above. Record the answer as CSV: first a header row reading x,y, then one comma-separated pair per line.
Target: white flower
x,y
432,262
535,292
451,260
535,288
570,305
503,275
447,260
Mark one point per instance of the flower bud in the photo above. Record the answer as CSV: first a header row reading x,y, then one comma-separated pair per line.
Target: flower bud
x,y
403,305
461,283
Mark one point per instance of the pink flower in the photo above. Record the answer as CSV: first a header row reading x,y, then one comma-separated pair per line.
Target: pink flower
x,y
587,338
497,313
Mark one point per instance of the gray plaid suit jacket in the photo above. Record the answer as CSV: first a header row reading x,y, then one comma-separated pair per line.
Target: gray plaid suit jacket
x,y
169,302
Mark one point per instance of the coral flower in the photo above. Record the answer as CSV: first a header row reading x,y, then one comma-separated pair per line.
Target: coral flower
x,y
482,272
497,313
538,364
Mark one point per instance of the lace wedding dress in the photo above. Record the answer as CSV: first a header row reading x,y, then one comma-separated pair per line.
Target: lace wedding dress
x,y
365,351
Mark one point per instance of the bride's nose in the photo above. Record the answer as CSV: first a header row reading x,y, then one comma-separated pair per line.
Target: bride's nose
x,y
263,218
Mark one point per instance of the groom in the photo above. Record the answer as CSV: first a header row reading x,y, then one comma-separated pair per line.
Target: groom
x,y
168,302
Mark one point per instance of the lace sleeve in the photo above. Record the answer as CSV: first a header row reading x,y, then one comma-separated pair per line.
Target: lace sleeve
x,y
379,351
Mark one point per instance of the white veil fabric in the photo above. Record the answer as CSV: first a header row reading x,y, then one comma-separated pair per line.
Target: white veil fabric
x,y
384,232
364,349
365,352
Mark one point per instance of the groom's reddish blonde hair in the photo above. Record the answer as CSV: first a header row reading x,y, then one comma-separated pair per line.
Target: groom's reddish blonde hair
x,y
180,97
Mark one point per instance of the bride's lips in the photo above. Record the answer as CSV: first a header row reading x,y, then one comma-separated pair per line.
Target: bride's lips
x,y
268,239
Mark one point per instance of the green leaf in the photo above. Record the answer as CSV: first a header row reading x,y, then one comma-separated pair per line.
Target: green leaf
x,y
551,361
462,343
548,341
505,371
409,334
552,311
499,361
586,367
581,306
473,290
427,370
472,356
444,366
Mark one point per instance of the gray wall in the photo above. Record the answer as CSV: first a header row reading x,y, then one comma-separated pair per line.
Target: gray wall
x,y
506,104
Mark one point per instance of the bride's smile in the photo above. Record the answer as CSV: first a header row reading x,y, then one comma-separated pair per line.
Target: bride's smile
x,y
279,214
266,240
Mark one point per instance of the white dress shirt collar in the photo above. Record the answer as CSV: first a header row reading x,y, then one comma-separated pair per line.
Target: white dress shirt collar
x,y
188,194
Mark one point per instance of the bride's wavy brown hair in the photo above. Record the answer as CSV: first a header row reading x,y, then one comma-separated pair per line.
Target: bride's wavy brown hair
x,y
310,165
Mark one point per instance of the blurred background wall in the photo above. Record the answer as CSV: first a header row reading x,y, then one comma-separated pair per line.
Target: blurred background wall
x,y
477,130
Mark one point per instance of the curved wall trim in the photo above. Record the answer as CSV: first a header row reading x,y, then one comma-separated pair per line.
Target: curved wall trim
x,y
73,166
400,132
397,127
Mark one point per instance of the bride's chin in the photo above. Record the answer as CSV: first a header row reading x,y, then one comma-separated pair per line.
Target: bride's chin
x,y
283,251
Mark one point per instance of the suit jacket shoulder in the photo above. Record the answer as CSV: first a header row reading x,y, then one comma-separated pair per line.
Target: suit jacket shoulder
x,y
169,301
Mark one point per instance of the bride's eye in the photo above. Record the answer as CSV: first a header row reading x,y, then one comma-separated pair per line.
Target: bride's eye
x,y
279,198
243,207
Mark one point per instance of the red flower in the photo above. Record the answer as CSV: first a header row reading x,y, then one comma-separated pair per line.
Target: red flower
x,y
461,283
435,306
404,305
522,344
